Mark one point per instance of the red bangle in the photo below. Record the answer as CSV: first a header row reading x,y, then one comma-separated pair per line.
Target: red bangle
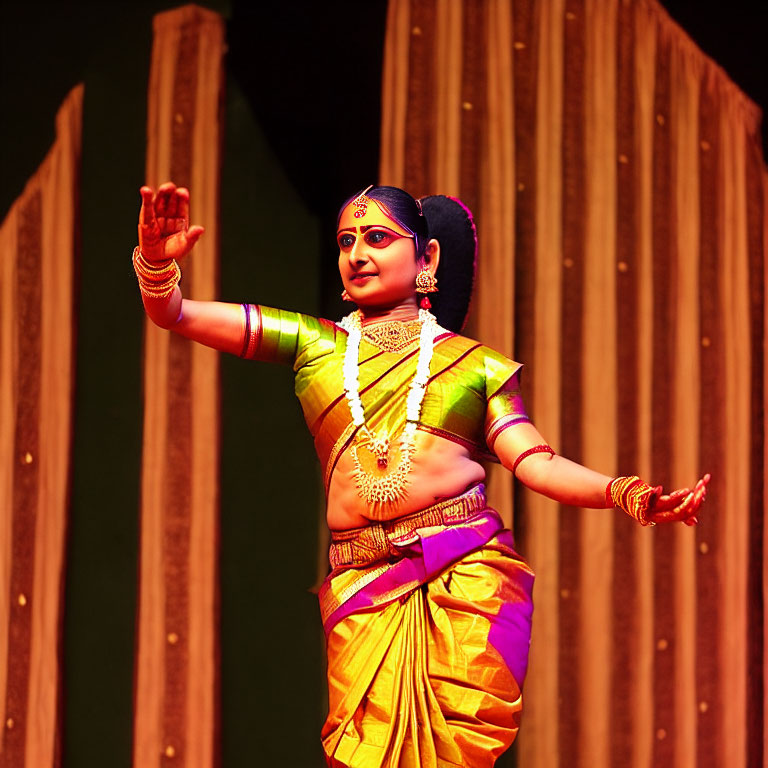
x,y
543,448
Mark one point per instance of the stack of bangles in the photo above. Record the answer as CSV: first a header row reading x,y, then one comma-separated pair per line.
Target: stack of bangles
x,y
631,494
156,279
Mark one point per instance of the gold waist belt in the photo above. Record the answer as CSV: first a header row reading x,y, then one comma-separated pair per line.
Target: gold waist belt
x,y
361,546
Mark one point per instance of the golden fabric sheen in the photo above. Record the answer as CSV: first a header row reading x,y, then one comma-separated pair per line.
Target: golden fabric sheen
x,y
417,680
427,617
473,392
618,182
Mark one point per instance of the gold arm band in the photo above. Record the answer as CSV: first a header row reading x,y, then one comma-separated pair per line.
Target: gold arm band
x,y
251,331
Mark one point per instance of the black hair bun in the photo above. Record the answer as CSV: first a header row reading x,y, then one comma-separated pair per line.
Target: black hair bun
x,y
450,222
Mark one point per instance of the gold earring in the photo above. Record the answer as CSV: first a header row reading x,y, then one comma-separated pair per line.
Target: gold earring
x,y
426,282
345,296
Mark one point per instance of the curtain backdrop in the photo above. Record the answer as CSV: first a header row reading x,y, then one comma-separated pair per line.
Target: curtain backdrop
x,y
38,248
176,712
617,178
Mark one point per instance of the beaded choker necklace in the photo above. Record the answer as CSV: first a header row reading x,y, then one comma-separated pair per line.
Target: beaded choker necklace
x,y
382,467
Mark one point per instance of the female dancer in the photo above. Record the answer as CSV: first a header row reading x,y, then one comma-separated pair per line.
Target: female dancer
x,y
427,608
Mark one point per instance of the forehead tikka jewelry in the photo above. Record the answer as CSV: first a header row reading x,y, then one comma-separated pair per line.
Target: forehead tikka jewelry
x,y
361,202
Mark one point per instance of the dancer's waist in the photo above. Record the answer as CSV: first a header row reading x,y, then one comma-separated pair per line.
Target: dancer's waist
x,y
361,546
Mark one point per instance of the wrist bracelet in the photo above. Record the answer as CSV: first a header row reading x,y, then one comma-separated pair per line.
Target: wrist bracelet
x,y
634,496
157,280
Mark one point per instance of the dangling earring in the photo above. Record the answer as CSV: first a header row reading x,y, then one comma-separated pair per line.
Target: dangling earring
x,y
426,282
345,296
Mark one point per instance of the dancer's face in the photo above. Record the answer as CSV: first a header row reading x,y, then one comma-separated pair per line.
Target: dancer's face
x,y
377,258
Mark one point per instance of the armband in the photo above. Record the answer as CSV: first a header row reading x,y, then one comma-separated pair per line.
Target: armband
x,y
252,331
543,448
505,409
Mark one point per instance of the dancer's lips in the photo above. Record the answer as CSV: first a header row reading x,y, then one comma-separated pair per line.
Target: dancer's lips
x,y
362,277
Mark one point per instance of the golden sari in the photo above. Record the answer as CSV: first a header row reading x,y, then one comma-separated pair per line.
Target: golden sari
x,y
427,617
427,620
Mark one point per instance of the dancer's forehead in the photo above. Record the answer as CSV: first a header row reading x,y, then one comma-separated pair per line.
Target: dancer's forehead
x,y
365,212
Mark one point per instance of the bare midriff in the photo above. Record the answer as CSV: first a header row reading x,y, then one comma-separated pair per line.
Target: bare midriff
x,y
440,469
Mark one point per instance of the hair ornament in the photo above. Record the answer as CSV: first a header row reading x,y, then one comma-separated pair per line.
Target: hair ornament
x,y
361,202
418,205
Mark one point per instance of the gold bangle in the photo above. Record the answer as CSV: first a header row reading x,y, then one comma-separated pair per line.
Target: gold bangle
x,y
634,496
158,291
152,271
156,281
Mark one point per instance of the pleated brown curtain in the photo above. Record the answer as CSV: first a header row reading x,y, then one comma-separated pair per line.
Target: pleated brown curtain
x,y
176,711
617,178
38,250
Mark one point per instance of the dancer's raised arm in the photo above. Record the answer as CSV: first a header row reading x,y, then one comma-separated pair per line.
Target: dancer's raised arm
x,y
165,238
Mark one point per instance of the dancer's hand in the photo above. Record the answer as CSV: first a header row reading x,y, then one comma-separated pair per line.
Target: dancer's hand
x,y
681,505
164,231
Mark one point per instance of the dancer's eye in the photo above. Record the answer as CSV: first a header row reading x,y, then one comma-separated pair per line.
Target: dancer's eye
x,y
378,237
346,240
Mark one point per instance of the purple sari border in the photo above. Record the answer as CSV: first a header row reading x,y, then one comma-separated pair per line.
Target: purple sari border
x,y
425,554
511,631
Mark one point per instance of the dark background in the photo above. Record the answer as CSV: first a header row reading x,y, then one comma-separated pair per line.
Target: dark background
x,y
308,68
302,133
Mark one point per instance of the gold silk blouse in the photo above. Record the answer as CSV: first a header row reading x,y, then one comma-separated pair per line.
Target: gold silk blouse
x,y
473,393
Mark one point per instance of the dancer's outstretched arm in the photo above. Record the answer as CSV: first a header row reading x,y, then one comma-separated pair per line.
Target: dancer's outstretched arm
x,y
570,483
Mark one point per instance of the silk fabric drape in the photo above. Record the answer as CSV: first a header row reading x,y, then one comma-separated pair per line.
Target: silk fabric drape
x,y
618,182
38,249
176,713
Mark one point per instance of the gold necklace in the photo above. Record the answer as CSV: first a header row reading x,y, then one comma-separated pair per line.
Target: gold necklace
x,y
392,335
382,465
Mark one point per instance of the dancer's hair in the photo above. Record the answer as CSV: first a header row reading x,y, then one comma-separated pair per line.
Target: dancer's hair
x,y
450,222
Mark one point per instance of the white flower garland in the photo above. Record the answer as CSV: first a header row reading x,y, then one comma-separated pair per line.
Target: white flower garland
x,y
389,489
